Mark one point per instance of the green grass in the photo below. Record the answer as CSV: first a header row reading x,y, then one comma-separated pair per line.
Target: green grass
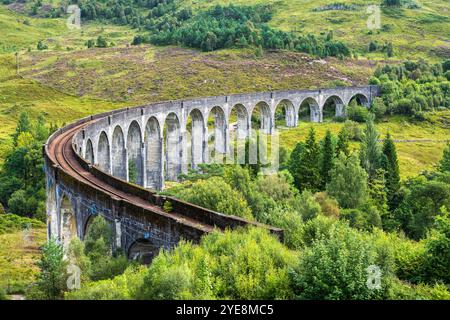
x,y
19,252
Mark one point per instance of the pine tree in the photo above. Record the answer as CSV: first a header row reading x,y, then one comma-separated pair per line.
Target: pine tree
x,y
343,143
370,153
327,158
392,172
294,162
23,125
444,164
308,174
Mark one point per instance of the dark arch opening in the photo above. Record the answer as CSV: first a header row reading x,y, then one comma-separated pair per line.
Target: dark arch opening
x,y
333,108
89,154
285,114
261,119
143,250
309,110
359,99
217,135
103,153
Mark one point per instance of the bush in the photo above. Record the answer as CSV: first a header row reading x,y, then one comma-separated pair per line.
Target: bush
x,y
357,113
353,130
336,268
246,264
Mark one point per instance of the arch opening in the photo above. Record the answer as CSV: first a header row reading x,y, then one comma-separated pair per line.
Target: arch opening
x,y
285,114
239,133
89,153
359,99
143,250
217,127
118,154
172,138
135,154
333,108
103,153
196,143
261,118
153,143
309,110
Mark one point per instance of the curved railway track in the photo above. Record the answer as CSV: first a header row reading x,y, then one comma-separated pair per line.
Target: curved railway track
x,y
61,152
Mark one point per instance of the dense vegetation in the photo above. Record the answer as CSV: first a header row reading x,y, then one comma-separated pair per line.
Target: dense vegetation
x,y
412,88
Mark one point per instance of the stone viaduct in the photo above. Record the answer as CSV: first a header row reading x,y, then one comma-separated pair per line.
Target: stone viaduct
x,y
109,163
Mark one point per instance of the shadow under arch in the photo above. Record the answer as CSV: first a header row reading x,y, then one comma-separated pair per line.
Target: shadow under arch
x,y
333,108
89,153
285,110
143,250
309,110
103,152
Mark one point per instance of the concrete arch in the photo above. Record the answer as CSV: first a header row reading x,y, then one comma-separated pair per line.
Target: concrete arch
x,y
219,133
285,110
68,226
89,153
154,150
242,120
361,99
309,107
172,131
143,250
333,107
197,139
103,153
263,120
118,154
135,154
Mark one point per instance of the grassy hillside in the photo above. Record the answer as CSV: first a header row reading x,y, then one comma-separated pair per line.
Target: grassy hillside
x,y
415,32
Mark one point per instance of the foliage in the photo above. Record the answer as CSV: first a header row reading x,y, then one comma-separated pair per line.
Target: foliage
x,y
413,87
424,197
11,223
51,280
304,164
348,182
327,158
214,194
370,153
335,267
246,264
392,172
22,188
98,249
437,246
444,164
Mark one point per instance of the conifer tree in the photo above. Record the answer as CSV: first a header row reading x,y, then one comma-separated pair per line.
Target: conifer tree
x,y
392,172
444,164
343,143
308,174
327,158
370,154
